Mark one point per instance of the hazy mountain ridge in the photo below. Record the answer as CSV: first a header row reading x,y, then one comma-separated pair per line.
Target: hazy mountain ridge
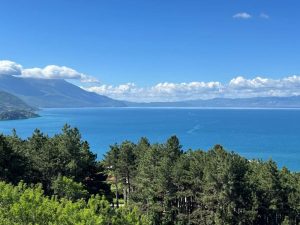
x,y
256,102
58,93
54,93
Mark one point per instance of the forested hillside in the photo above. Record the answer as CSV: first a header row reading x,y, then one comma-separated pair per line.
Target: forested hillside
x,y
140,183
9,102
11,108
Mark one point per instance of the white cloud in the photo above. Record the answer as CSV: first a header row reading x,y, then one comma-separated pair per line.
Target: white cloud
x,y
238,87
10,68
52,72
49,72
161,91
57,72
88,79
242,83
242,15
264,16
264,87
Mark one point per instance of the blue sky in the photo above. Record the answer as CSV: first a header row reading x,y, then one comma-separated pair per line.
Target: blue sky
x,y
148,42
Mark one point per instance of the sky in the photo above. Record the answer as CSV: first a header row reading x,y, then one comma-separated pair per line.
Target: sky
x,y
156,50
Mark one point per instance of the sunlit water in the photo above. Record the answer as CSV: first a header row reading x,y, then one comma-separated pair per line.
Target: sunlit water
x,y
253,133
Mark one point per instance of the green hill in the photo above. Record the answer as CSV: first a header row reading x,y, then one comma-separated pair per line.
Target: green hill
x,y
11,107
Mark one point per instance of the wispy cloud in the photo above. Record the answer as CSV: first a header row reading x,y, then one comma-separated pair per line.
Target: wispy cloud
x,y
245,16
238,87
48,72
242,15
264,16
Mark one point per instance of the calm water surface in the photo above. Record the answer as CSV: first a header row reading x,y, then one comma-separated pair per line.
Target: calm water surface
x,y
253,133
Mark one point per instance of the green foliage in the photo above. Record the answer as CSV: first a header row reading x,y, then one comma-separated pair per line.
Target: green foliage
x,y
11,162
66,187
44,158
143,183
196,187
28,205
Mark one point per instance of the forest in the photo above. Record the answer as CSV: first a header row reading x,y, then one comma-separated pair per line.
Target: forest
x,y
59,180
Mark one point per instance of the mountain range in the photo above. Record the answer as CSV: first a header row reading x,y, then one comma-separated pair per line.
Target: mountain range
x,y
54,93
58,93
257,102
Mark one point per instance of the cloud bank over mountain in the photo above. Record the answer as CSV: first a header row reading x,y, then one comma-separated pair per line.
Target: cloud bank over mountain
x,y
11,68
238,87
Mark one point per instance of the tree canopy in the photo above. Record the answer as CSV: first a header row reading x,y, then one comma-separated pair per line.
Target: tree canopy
x,y
58,180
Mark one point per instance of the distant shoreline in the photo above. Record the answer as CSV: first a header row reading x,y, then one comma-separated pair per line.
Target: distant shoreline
x,y
167,107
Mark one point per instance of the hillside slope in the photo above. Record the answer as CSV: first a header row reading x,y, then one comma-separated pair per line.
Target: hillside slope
x,y
12,108
9,102
54,93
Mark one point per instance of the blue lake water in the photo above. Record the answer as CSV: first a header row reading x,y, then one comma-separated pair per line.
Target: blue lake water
x,y
253,133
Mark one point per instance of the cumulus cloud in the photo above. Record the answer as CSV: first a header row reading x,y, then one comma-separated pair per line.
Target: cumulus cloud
x,y
242,15
52,72
10,68
49,72
238,87
57,72
264,87
159,92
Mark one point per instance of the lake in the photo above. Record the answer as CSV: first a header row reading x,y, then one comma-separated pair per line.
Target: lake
x,y
253,133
